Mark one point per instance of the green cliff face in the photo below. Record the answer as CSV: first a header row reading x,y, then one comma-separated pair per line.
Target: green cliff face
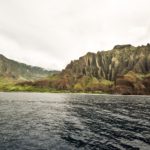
x,y
123,70
20,71
111,64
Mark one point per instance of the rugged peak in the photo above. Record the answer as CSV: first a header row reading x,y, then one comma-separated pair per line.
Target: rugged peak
x,y
2,56
110,64
148,44
90,53
122,46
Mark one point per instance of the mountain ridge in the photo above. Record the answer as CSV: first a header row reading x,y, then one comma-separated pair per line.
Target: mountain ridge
x,y
112,63
17,70
123,70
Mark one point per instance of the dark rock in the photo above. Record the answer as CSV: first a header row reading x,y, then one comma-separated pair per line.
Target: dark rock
x,y
110,64
122,46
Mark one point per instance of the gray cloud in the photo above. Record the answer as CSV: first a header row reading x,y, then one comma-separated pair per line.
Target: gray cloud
x,y
50,33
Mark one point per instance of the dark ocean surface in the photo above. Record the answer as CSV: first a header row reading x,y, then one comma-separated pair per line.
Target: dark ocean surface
x,y
40,121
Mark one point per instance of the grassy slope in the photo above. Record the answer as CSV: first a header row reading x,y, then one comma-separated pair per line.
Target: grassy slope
x,y
83,85
9,85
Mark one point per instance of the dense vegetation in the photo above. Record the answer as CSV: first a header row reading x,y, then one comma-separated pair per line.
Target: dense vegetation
x,y
129,83
123,70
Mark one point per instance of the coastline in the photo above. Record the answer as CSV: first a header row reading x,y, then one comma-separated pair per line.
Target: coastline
x,y
66,92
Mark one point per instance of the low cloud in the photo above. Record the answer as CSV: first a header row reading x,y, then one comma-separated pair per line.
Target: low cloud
x,y
50,33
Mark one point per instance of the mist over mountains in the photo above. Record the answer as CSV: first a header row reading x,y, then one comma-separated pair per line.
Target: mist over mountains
x,y
20,71
123,70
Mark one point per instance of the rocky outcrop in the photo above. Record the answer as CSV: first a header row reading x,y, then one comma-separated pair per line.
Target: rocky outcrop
x,y
111,64
132,84
123,70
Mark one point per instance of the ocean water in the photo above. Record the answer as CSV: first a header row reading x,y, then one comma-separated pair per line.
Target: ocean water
x,y
40,121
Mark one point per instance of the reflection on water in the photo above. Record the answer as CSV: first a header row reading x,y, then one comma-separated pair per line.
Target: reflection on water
x,y
34,121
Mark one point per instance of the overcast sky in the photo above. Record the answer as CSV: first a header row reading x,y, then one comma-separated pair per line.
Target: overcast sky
x,y
51,33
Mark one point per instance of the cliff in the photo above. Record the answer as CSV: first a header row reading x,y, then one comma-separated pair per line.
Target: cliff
x,y
113,63
123,70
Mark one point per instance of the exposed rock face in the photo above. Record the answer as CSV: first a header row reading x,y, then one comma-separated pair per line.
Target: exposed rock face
x,y
132,83
16,70
110,64
129,84
123,70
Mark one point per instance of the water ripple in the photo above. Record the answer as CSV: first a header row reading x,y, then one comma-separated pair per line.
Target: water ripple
x,y
35,121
